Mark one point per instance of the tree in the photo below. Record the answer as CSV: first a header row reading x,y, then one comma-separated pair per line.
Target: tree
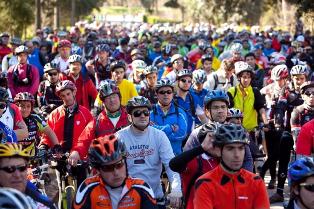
x,y
304,6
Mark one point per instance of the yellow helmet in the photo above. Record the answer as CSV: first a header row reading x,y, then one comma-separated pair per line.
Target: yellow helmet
x,y
14,149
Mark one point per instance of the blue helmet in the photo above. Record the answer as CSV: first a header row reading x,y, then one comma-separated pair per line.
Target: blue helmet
x,y
300,169
216,95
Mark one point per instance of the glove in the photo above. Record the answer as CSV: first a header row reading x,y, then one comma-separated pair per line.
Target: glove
x,y
56,149
175,199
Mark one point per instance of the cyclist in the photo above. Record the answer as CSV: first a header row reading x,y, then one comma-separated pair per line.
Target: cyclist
x,y
46,94
136,76
35,125
112,183
13,173
149,88
112,118
177,62
12,198
4,49
86,89
258,81
11,59
168,117
301,175
23,77
64,50
163,60
146,155
199,78
207,62
228,180
11,116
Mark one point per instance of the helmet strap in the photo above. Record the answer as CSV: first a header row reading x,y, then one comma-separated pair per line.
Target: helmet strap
x,y
227,168
5,109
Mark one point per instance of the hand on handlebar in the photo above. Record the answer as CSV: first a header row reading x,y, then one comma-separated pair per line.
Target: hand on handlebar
x,y
74,158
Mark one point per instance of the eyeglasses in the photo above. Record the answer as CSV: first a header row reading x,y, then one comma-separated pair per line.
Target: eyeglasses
x,y
3,105
110,168
309,93
165,92
185,80
53,74
12,169
138,113
308,187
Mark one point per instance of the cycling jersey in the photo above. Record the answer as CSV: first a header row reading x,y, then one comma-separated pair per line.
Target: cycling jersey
x,y
299,116
7,134
215,64
218,80
47,94
149,93
34,125
56,121
103,126
12,116
305,141
92,193
220,189
61,63
164,122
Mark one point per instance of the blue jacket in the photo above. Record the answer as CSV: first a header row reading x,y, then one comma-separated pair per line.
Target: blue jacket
x,y
8,135
201,95
175,116
32,191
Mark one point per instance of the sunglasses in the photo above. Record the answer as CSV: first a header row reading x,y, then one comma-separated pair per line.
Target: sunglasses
x,y
138,113
165,92
3,105
110,168
12,169
53,74
308,187
309,93
185,80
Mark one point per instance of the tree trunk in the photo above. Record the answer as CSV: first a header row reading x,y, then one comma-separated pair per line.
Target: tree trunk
x,y
56,14
73,12
38,14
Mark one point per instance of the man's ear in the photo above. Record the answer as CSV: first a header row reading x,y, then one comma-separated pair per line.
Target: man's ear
x,y
130,118
296,190
74,92
207,113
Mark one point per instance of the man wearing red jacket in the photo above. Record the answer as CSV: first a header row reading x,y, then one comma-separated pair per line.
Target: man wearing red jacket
x,y
86,89
112,118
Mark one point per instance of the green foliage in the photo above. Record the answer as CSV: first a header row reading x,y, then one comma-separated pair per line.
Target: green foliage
x,y
304,6
156,19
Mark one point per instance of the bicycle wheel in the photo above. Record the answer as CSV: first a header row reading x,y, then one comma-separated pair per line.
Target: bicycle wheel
x,y
69,196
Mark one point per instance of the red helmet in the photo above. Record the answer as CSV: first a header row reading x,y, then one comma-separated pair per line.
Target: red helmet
x,y
24,96
64,43
63,85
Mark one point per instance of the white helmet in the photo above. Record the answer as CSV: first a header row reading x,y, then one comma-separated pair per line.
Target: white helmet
x,y
138,65
299,70
242,67
199,76
279,72
236,47
12,198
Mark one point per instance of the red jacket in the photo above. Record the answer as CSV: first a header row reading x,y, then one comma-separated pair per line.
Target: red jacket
x,y
81,118
86,89
103,126
305,141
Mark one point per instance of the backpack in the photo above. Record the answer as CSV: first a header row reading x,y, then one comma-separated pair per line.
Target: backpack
x,y
215,76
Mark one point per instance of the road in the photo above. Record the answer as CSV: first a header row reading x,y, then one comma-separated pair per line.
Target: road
x,y
271,191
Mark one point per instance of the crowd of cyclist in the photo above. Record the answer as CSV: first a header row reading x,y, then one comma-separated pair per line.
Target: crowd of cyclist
x,y
143,103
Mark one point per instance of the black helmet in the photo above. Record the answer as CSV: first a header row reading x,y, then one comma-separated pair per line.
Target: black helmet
x,y
206,128
117,64
229,134
138,101
4,95
103,48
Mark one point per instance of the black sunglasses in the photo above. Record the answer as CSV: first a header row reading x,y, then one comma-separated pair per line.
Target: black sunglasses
x,y
185,80
308,187
51,74
110,168
138,113
165,92
12,169
309,93
3,105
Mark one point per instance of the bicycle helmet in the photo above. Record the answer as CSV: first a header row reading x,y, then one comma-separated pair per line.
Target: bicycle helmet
x,y
136,52
14,150
63,85
299,70
216,95
16,41
306,85
175,57
107,87
13,199
21,49
138,65
106,149
206,128
229,134
199,76
4,34
64,43
234,113
162,83
206,57
4,95
301,169
184,73
279,72
103,48
117,64
236,47
75,58
50,66
138,101
166,50
277,59
241,67
150,69
24,96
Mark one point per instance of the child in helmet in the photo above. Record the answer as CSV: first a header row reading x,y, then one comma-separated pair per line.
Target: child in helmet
x,y
35,125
